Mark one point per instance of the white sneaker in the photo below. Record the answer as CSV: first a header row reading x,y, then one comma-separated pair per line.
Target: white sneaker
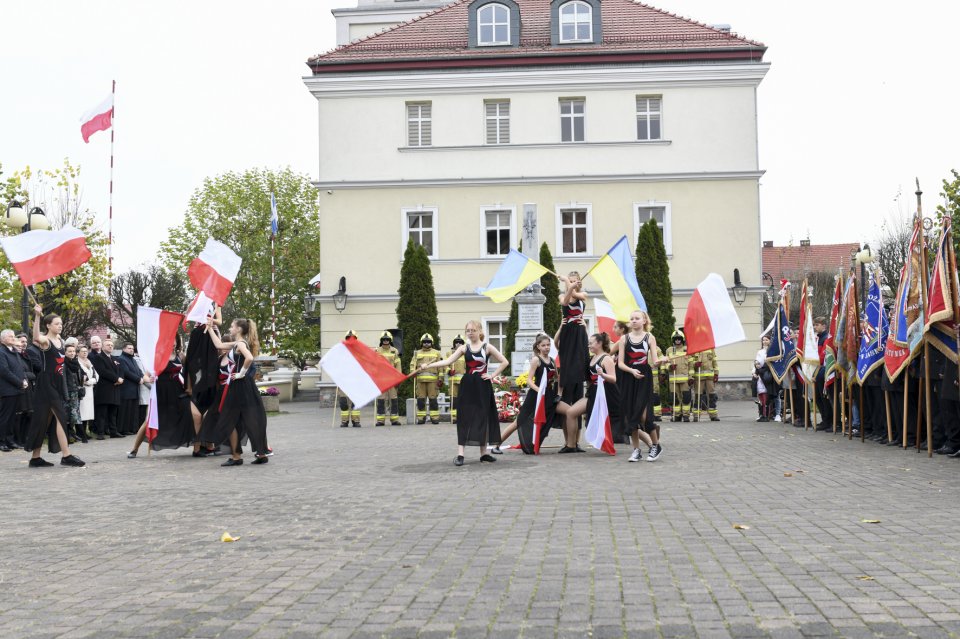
x,y
654,453
635,455
777,419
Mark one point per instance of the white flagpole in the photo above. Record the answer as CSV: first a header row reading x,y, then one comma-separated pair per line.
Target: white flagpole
x,y
113,127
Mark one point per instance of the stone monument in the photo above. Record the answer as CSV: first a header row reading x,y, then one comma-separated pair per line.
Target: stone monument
x,y
529,301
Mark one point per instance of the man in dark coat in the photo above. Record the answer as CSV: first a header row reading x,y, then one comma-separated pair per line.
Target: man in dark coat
x,y
106,396
128,421
30,357
13,381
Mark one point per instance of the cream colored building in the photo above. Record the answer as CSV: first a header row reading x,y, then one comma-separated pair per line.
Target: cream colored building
x,y
602,114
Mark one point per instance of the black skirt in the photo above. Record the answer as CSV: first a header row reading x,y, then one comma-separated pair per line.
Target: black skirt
x,y
242,411
525,426
477,421
636,400
174,415
572,349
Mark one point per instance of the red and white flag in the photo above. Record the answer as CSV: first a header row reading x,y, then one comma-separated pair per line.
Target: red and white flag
x,y
99,118
215,270
605,318
156,337
200,308
711,320
41,255
360,373
539,414
599,432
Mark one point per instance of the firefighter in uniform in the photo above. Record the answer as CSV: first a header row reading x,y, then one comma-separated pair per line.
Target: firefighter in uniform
x,y
455,374
704,378
678,365
392,355
425,382
348,412
657,398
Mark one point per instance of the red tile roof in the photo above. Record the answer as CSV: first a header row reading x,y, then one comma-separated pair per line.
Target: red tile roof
x,y
794,262
632,31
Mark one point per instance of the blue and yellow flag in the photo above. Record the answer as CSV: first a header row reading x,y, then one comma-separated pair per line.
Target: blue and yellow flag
x,y
515,274
617,277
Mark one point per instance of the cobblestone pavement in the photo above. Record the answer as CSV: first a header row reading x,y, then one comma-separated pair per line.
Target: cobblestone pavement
x,y
374,533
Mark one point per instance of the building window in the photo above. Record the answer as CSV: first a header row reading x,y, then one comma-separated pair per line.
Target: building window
x,y
496,332
576,22
420,226
493,25
571,119
574,235
497,116
498,235
419,124
648,117
659,211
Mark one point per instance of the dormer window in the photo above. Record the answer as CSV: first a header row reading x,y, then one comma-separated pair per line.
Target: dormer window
x,y
575,22
494,23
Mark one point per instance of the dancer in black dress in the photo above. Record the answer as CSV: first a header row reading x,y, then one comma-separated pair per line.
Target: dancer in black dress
x,y
638,357
49,415
178,420
477,421
572,338
240,409
201,364
601,364
542,371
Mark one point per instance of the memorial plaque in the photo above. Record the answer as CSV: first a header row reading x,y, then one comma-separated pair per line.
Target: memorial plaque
x,y
524,343
530,317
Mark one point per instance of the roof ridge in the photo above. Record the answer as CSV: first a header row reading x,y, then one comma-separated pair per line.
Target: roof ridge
x,y
389,29
734,35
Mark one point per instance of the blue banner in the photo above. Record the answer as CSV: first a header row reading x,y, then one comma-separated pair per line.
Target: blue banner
x,y
873,341
782,352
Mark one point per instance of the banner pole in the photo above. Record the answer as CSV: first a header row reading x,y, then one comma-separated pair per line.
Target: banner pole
x,y
113,127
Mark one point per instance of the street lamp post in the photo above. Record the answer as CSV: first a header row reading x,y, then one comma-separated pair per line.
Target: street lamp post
x,y
19,219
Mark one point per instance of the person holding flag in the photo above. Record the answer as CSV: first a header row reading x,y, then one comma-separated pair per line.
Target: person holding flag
x,y
477,421
600,365
637,359
49,398
240,411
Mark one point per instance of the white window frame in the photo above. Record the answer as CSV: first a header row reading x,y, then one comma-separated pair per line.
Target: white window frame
x,y
419,119
493,6
485,322
404,224
573,117
577,21
667,222
648,113
589,321
558,219
487,208
502,137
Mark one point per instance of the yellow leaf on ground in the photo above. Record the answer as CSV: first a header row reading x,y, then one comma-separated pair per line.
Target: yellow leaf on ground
x,y
865,578
788,474
227,537
741,527
869,521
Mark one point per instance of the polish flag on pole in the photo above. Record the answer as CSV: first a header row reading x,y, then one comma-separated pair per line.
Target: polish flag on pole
x,y
99,118
214,271
711,320
41,255
200,308
599,433
605,318
360,373
156,337
539,414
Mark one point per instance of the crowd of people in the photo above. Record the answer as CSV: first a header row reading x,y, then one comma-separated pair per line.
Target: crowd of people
x,y
884,409
66,392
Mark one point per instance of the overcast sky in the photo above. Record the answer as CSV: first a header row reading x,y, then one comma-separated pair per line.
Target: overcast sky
x,y
860,99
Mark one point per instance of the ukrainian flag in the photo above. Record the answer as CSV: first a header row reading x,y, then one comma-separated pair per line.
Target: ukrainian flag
x,y
515,274
616,276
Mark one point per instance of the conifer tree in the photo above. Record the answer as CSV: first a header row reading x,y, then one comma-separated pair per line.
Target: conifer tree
x,y
416,308
653,276
513,325
552,315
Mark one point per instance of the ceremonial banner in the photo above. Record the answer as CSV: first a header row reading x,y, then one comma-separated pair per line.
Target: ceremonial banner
x,y
942,296
782,352
873,342
516,273
830,347
848,330
616,275
808,351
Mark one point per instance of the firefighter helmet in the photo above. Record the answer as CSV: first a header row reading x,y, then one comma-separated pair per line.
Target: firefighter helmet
x,y
679,336
426,337
386,336
458,340
351,333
